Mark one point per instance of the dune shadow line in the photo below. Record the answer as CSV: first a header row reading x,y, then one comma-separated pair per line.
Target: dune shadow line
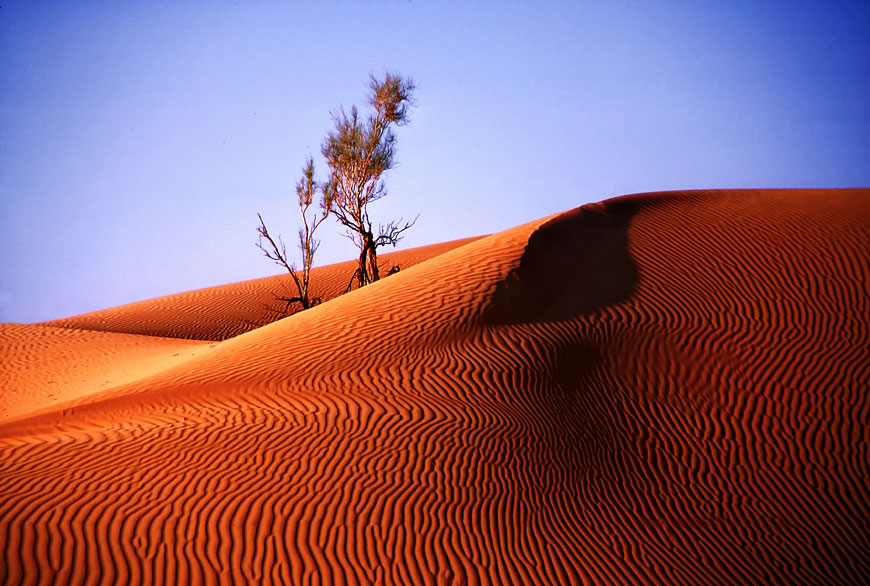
x,y
572,265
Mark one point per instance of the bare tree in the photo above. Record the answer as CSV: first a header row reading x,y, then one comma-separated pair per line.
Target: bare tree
x,y
276,251
358,152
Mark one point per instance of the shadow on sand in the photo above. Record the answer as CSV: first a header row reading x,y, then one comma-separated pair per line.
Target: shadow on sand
x,y
573,265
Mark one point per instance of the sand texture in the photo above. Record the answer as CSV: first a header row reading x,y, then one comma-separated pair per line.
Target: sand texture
x,y
219,313
666,388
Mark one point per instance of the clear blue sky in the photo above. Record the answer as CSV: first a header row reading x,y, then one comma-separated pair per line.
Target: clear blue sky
x,y
139,139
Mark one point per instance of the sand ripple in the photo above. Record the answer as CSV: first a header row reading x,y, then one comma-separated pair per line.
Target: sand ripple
x,y
658,389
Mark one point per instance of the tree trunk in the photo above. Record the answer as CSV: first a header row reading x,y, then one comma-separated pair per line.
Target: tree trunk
x,y
373,264
362,272
368,261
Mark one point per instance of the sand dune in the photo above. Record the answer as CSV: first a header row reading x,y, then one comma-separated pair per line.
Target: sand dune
x,y
665,388
44,366
218,313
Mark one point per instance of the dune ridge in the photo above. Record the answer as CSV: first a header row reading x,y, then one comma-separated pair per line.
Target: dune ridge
x,y
222,312
663,388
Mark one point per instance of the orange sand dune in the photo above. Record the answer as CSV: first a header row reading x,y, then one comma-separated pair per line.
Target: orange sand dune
x,y
43,366
218,313
664,388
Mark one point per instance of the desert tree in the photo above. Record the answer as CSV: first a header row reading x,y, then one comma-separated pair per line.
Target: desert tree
x,y
358,151
276,251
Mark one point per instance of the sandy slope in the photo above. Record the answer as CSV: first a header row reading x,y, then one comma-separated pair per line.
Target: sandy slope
x,y
218,313
664,389
44,366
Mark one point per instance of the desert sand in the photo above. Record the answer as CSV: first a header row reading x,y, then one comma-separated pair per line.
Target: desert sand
x,y
665,388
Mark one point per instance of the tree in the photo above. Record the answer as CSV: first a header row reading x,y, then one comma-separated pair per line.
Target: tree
x,y
276,251
358,152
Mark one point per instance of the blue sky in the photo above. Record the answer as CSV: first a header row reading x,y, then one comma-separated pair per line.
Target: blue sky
x,y
140,139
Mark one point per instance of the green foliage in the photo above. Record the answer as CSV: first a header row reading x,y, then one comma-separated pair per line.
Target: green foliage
x,y
358,152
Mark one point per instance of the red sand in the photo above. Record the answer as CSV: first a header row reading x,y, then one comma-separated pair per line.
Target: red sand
x,y
663,388
219,313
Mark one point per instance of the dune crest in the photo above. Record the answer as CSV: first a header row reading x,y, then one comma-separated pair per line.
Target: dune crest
x,y
664,388
222,312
